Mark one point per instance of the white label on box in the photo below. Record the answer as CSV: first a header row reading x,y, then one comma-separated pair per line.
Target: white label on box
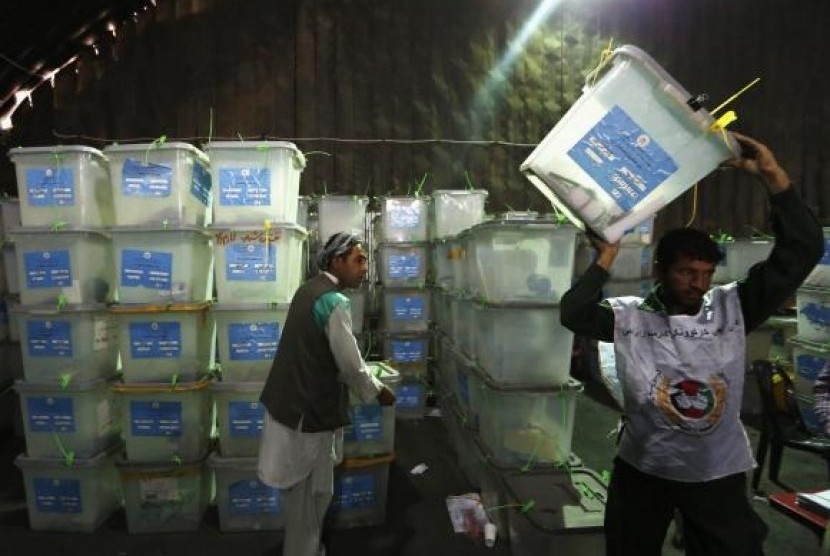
x,y
164,489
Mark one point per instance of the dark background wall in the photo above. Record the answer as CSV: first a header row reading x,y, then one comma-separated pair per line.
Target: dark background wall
x,y
355,82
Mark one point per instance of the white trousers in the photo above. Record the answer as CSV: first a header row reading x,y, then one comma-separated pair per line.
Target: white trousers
x,y
304,506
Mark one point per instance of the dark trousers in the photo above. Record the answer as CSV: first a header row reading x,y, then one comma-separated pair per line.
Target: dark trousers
x,y
717,517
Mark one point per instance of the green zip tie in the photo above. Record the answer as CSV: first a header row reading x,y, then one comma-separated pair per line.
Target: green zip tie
x,y
177,460
421,184
523,508
585,490
241,139
529,463
758,234
64,380
166,223
210,124
468,180
155,144
721,237
606,477
174,380
62,301
56,225
68,455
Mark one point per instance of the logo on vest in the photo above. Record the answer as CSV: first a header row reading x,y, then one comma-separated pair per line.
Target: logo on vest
x,y
695,407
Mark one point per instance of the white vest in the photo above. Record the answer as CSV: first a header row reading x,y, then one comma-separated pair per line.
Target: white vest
x,y
682,379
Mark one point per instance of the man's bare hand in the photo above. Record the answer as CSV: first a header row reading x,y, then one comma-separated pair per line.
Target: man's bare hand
x,y
757,159
386,396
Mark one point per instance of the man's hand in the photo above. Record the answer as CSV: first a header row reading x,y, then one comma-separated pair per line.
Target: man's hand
x,y
386,396
758,160
606,252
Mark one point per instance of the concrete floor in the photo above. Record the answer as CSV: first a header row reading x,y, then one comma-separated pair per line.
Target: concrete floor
x,y
417,521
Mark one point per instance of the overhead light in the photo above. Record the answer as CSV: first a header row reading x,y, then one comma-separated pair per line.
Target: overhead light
x,y
51,76
6,122
21,95
111,28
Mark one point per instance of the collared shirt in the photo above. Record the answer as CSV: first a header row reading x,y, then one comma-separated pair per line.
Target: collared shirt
x,y
288,455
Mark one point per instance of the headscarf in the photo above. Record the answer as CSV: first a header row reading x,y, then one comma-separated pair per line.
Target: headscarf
x,y
338,244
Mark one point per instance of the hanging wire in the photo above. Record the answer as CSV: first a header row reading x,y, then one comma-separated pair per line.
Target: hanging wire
x,y
435,141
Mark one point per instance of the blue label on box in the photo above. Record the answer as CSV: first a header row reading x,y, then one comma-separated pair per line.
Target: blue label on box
x,y
49,338
200,184
152,340
809,366
250,262
248,497
825,259
50,187
409,396
245,419
810,418
463,387
404,266
57,496
146,269
408,308
408,351
244,187
622,158
47,269
406,215
253,340
366,423
816,314
354,491
51,414
155,418
145,180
